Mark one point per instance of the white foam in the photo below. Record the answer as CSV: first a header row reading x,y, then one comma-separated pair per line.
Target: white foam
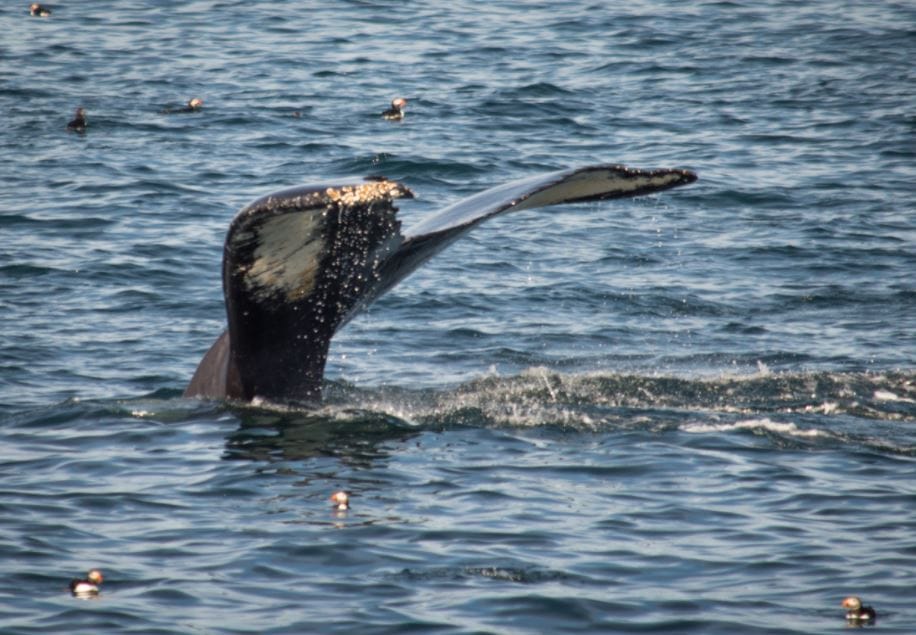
x,y
827,408
886,395
751,424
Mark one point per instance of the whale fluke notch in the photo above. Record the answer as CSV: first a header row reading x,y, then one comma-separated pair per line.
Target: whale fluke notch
x,y
300,263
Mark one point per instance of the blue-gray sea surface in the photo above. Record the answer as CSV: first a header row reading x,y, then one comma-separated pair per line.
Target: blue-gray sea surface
x,y
693,412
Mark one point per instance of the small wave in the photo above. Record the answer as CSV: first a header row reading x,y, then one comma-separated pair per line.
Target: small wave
x,y
518,575
756,425
886,395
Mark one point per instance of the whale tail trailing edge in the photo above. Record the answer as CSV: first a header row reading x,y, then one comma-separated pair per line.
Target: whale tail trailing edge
x,y
300,263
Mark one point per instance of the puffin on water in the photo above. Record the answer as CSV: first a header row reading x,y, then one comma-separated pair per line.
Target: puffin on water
x,y
856,612
89,586
194,105
341,501
396,112
78,124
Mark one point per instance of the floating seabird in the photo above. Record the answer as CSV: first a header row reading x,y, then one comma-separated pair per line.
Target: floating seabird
x,y
78,123
194,105
87,587
341,500
396,112
856,612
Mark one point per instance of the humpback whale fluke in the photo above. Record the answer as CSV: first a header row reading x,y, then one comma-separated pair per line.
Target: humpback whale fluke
x,y
300,263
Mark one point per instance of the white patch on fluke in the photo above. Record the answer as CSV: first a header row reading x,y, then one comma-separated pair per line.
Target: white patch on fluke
x,y
287,254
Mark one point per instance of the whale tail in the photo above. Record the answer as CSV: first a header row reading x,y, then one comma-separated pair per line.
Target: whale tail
x,y
300,263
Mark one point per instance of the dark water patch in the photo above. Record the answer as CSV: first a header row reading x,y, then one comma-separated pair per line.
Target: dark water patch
x,y
263,435
837,297
744,329
538,89
498,574
24,270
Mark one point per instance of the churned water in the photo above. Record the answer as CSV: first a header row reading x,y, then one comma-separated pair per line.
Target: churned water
x,y
692,412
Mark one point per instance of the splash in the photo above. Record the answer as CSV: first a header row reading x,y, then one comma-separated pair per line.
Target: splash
x,y
539,396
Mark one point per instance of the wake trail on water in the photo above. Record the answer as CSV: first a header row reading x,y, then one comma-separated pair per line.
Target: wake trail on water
x,y
539,396
874,411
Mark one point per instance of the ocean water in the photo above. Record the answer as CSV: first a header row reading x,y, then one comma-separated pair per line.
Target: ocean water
x,y
693,412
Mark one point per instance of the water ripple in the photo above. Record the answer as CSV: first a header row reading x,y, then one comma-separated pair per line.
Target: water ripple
x,y
686,413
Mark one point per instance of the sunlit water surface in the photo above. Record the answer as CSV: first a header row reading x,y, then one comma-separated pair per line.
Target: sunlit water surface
x,y
693,412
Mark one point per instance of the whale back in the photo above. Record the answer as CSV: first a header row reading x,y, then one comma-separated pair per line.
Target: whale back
x,y
300,263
